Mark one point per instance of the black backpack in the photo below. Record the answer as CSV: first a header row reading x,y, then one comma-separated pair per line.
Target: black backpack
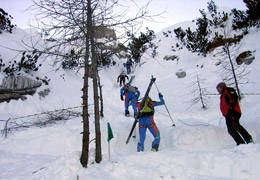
x,y
131,89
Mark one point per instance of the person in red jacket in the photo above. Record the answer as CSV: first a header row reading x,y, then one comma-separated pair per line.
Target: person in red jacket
x,y
230,109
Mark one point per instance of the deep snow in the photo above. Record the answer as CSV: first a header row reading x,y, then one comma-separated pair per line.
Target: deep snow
x,y
197,148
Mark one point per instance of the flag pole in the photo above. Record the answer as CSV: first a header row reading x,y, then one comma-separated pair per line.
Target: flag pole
x,y
109,157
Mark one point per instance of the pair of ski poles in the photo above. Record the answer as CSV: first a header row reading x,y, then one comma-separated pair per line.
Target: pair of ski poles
x,y
134,136
165,106
173,124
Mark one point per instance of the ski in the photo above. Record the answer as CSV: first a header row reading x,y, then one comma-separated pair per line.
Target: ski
x,y
131,80
141,107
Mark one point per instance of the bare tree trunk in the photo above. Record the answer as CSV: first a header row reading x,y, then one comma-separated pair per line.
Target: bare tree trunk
x,y
85,143
95,86
97,117
233,70
101,99
201,94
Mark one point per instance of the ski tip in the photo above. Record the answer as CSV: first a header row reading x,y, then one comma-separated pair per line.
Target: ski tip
x,y
153,79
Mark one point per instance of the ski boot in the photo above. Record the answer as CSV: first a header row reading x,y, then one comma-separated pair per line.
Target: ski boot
x,y
127,114
155,147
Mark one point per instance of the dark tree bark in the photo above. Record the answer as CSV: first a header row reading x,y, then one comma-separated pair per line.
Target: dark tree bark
x,y
95,85
85,141
227,50
101,99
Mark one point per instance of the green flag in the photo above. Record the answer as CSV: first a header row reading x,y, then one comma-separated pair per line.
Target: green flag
x,y
109,132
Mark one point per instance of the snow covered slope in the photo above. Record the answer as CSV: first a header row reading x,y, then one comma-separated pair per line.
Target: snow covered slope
x,y
197,148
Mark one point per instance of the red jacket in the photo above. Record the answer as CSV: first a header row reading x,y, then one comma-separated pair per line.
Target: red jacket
x,y
229,101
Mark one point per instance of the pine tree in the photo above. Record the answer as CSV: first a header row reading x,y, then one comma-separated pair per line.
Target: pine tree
x,y
5,22
248,18
138,45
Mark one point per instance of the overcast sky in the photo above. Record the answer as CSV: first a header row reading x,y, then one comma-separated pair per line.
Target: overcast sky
x,y
176,10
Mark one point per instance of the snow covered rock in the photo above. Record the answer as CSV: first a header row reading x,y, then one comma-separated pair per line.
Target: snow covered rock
x,y
246,57
16,87
181,73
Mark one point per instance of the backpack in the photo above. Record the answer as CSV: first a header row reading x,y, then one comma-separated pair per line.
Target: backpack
x,y
131,89
123,74
233,97
148,109
233,94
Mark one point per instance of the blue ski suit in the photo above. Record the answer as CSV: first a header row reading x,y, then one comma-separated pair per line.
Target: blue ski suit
x,y
128,66
147,121
129,96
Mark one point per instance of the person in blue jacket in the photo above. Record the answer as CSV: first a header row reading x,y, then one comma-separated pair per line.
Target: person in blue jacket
x,y
146,120
130,93
128,65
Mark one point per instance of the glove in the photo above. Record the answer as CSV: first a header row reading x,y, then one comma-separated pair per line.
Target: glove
x,y
122,97
160,95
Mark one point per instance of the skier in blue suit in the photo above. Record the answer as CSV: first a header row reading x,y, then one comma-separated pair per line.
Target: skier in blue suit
x,y
130,93
128,65
146,120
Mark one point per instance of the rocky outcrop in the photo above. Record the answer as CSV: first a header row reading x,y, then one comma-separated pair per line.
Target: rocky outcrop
x,y
221,42
246,57
171,58
17,87
181,73
106,40
44,93
101,32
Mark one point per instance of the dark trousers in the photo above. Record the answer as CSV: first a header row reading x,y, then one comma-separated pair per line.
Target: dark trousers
x,y
122,82
235,129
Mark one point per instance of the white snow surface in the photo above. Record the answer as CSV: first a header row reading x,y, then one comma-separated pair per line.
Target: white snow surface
x,y
197,148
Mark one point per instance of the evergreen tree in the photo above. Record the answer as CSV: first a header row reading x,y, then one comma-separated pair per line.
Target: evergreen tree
x,y
27,64
5,22
72,60
253,10
248,18
203,39
240,19
138,45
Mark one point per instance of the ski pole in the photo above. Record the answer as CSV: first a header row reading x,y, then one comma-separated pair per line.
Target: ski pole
x,y
165,105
